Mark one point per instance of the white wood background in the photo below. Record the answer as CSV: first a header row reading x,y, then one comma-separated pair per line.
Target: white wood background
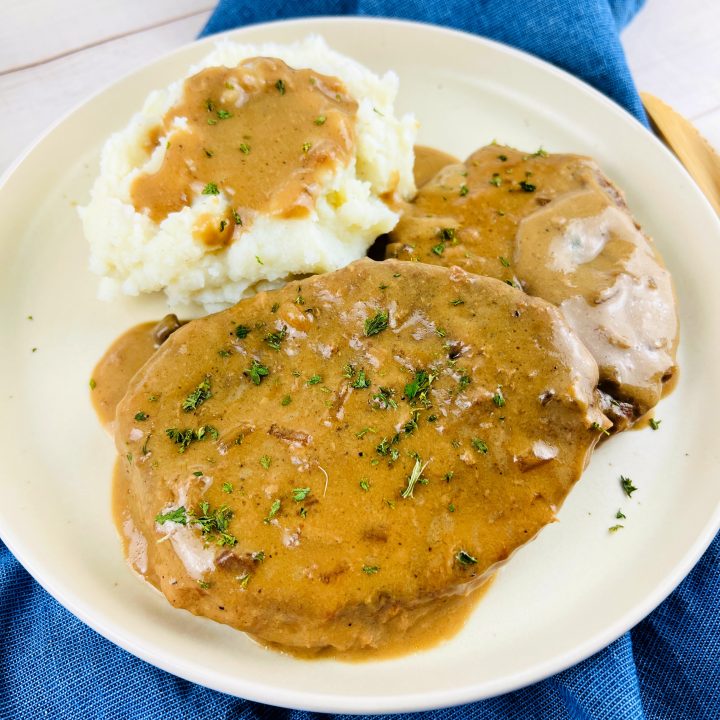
x,y
55,53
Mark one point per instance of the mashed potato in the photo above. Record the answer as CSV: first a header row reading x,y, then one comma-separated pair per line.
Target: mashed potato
x,y
134,254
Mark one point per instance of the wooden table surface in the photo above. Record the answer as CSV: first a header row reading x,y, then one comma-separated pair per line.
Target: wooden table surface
x,y
54,54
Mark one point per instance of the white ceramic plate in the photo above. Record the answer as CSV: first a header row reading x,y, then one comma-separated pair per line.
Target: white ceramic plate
x,y
561,598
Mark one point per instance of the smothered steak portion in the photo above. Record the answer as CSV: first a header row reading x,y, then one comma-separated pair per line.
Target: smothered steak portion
x,y
323,464
557,227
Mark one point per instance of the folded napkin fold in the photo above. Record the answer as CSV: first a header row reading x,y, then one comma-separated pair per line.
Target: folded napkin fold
x,y
668,666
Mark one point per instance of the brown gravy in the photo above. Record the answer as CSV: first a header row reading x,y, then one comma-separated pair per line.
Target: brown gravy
x,y
428,162
260,134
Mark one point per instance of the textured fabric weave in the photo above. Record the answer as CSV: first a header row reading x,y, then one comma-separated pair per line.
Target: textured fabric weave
x,y
53,666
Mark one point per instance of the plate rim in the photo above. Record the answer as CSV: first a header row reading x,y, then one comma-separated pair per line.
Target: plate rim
x,y
357,704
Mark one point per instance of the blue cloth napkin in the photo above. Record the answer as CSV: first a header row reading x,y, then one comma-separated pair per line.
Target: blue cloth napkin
x,y
52,666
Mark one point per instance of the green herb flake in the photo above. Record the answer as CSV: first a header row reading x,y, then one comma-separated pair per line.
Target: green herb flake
x,y
198,396
418,388
480,445
498,397
376,324
211,189
504,262
540,153
364,485
314,380
446,233
496,180
465,558
274,510
414,478
620,515
241,331
527,187
599,428
383,399
198,473
214,524
300,494
320,120
92,383
451,508
286,400
306,147
654,424
502,158
275,307
265,461
274,340
256,372
259,260
464,190
208,153
438,249
370,569
141,416
457,301
615,528
203,585
179,516
280,86
223,114
361,381
236,217
627,486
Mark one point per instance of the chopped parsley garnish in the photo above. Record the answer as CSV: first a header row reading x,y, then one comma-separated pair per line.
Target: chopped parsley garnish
x,y
370,569
242,331
214,523
364,485
198,396
198,473
361,381
208,153
464,190
236,217
274,510
504,262
540,153
244,580
179,515
223,114
383,398
376,324
615,528
286,400
457,301
257,372
265,461
258,556
496,180
92,383
314,380
465,558
211,189
654,424
451,508
258,260
299,494
412,424
599,428
417,389
620,515
280,86
184,438
140,416
275,307
526,186
306,147
480,445
274,340
320,120
203,585
502,158
227,487
464,380
446,233
498,397
627,486
209,105
438,249
414,478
